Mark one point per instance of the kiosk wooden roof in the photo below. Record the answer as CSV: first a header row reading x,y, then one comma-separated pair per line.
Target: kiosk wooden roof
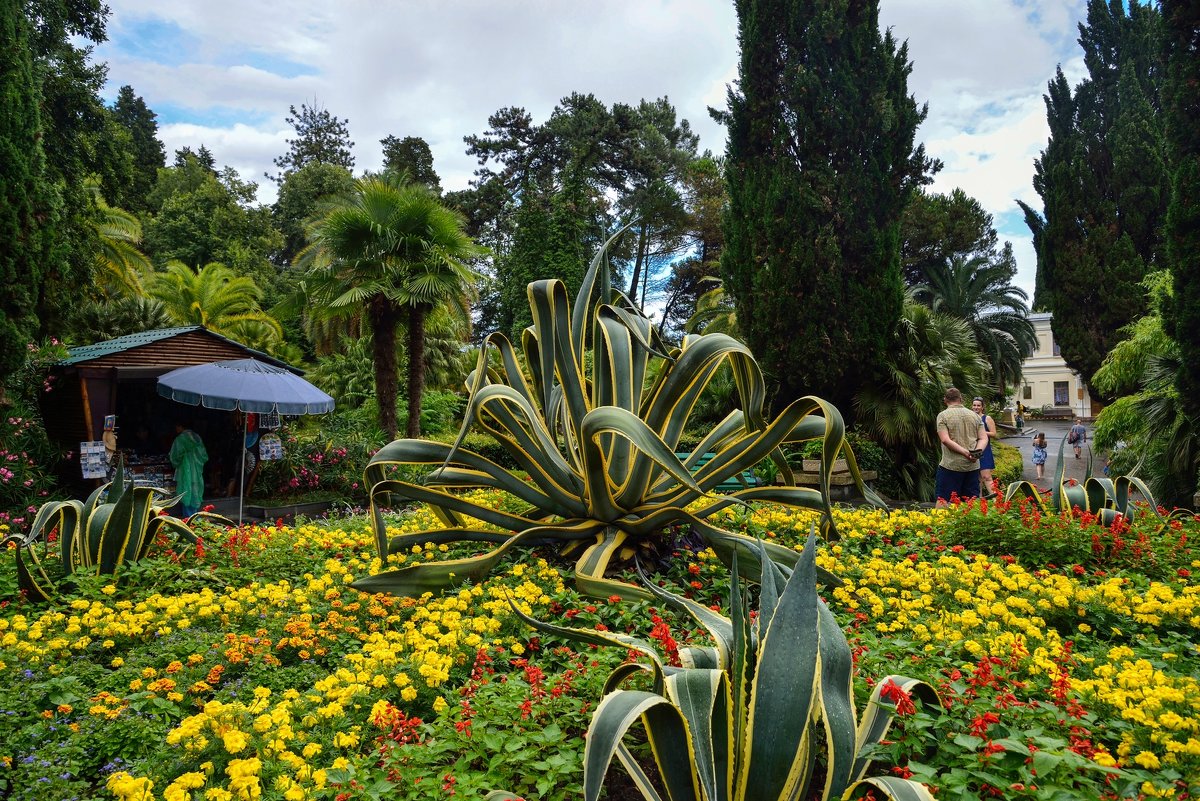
x,y
85,385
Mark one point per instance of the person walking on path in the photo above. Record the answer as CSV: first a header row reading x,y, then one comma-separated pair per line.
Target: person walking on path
x,y
188,455
987,460
1039,454
963,439
1077,436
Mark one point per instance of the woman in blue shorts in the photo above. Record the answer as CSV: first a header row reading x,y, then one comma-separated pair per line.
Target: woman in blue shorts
x,y
987,461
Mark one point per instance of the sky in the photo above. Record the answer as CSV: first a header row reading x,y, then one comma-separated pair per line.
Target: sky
x,y
223,73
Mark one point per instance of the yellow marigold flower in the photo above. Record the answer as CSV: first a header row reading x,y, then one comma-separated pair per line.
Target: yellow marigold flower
x,y
117,662
1147,760
439,704
234,741
345,739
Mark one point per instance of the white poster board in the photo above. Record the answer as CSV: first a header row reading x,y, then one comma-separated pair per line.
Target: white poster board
x,y
270,447
93,459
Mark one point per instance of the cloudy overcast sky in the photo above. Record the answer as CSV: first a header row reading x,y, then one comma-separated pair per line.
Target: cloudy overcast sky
x,y
223,72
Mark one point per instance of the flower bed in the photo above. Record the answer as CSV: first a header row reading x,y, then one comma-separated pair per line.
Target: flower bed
x,y
249,669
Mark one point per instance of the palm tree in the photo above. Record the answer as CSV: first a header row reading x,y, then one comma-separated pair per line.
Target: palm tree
x,y
119,265
217,298
978,292
392,249
715,313
930,352
101,319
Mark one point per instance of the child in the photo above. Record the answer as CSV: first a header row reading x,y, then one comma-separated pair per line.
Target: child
x,y
1039,453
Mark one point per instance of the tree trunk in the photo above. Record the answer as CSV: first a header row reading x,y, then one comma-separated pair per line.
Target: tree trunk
x,y
385,317
637,264
416,366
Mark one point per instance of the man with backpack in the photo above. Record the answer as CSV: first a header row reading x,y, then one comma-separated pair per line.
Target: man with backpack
x,y
1077,436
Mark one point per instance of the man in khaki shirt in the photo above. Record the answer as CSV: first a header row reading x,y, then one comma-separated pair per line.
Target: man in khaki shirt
x,y
963,438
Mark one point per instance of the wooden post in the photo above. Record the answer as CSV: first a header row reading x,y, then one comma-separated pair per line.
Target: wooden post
x,y
87,409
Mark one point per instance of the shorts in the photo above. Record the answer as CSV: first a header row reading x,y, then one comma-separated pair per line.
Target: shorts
x,y
964,484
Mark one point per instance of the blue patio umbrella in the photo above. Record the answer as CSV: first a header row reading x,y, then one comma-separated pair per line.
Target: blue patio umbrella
x,y
245,385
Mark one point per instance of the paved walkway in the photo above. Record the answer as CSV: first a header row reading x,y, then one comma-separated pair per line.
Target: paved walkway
x,y
1055,431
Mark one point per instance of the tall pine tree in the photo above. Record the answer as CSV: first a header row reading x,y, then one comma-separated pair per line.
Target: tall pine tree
x,y
131,113
1181,96
821,164
320,137
1103,183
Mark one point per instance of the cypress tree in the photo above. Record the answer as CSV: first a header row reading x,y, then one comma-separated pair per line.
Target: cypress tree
x,y
1103,183
22,187
1181,104
820,165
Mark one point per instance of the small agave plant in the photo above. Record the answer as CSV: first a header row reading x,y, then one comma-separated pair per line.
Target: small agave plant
x,y
597,436
745,719
1107,498
116,525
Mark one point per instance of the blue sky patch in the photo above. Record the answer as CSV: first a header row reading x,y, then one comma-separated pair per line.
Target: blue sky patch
x,y
1012,223
211,117
155,40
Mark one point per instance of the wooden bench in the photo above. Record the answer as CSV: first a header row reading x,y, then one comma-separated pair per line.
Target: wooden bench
x,y
743,480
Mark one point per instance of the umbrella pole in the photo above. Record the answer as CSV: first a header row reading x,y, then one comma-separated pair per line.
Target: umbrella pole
x,y
242,472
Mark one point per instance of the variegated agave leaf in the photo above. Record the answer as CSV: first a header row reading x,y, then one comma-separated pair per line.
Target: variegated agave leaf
x,y
745,724
598,438
116,525
1107,498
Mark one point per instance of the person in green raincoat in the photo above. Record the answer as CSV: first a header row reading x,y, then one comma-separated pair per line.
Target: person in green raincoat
x,y
188,455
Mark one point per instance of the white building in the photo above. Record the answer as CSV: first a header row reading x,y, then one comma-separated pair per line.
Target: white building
x,y
1048,382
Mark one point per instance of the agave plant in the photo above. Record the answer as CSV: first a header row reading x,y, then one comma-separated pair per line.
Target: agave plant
x,y
1107,498
115,525
597,436
746,718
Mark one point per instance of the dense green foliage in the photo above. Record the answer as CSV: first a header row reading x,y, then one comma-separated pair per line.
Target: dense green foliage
x,y
22,191
1181,102
1147,427
1104,184
820,166
412,156
547,195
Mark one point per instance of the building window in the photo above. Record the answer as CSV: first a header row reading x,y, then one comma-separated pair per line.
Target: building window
x,y
1061,393
1028,392
1057,352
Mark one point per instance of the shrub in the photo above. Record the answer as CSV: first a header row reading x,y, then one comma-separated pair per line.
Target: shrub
x,y
1009,464
28,460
